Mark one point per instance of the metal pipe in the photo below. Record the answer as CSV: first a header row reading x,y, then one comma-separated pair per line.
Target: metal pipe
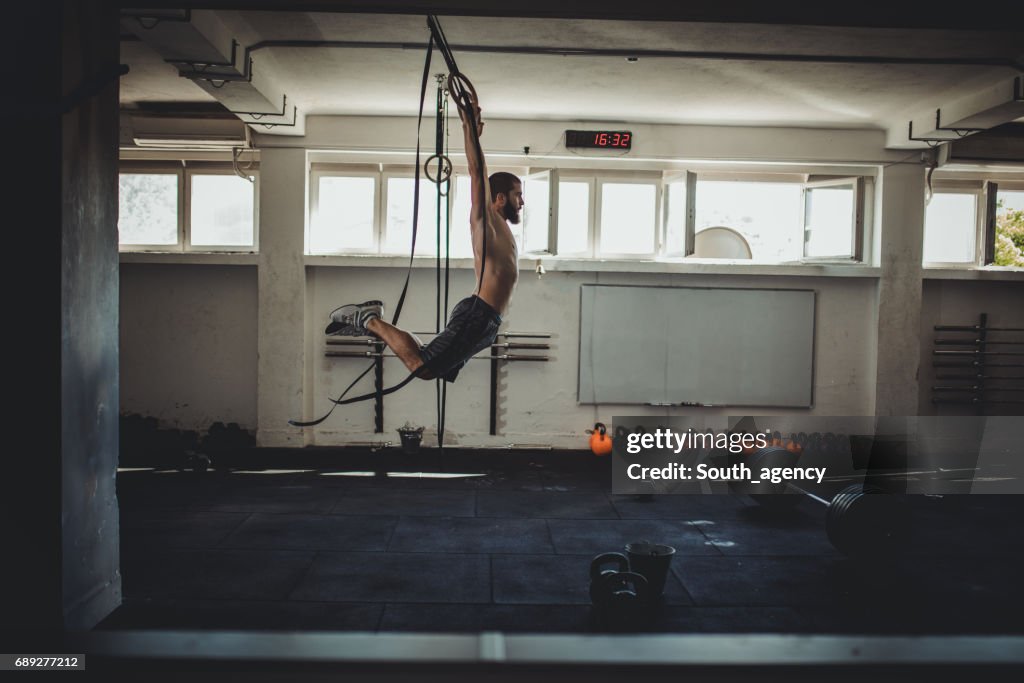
x,y
976,401
373,354
975,388
975,328
555,51
974,342
976,364
978,353
974,377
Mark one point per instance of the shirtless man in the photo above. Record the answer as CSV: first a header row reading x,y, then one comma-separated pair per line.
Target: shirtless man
x,y
473,323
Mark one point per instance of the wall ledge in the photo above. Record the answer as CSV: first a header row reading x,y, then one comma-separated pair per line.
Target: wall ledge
x,y
569,265
202,258
995,273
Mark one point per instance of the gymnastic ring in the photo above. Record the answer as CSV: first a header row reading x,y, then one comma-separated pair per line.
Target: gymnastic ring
x,y
457,83
457,86
445,172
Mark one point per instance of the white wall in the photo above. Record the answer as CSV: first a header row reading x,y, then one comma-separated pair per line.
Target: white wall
x,y
188,343
537,401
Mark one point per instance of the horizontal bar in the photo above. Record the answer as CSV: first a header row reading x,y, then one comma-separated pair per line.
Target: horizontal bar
x,y
977,353
520,345
975,328
975,389
374,342
976,400
372,354
976,377
538,335
976,364
975,342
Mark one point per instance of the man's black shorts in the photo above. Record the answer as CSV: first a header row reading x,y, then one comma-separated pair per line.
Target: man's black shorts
x,y
472,327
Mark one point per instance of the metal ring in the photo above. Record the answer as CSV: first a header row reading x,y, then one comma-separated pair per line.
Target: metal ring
x,y
446,169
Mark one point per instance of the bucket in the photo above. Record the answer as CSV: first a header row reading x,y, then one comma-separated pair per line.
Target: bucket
x,y
411,438
652,561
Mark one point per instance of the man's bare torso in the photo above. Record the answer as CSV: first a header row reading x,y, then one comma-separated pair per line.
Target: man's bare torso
x,y
502,263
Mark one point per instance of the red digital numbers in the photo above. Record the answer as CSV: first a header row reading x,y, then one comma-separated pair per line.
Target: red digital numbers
x,y
611,139
621,139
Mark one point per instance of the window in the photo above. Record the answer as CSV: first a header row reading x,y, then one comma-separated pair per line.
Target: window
x,y
574,217
221,211
628,223
1009,229
950,228
832,219
400,196
575,213
536,215
766,214
186,206
678,187
343,215
973,219
148,209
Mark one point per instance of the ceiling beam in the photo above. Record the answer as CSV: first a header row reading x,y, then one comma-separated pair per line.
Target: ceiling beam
x,y
790,12
204,51
981,110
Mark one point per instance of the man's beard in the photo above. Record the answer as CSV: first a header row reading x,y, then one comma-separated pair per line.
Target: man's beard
x,y
511,214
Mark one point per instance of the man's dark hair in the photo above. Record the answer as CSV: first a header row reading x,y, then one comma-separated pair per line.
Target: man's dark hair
x,y
502,182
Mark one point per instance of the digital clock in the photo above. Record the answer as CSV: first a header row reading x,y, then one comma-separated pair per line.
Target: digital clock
x,y
599,139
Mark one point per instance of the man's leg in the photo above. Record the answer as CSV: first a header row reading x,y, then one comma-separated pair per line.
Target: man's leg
x,y
405,346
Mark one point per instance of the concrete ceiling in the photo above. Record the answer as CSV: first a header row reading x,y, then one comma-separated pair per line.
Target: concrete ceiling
x,y
718,73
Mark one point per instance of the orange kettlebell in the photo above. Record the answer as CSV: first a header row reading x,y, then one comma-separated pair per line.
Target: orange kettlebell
x,y
600,442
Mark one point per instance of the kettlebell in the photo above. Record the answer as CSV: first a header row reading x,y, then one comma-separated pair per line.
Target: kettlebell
x,y
618,559
600,442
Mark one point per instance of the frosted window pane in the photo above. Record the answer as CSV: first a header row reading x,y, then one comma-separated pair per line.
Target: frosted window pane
x,y
573,217
766,214
344,217
949,228
148,209
828,220
627,218
221,211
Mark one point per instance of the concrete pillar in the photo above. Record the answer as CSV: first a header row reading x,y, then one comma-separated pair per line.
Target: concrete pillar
x,y
899,289
60,529
282,295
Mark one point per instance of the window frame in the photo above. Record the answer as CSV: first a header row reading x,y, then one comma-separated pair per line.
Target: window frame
x,y
406,171
591,245
195,168
185,170
986,185
972,187
995,186
175,168
795,178
603,178
860,191
322,170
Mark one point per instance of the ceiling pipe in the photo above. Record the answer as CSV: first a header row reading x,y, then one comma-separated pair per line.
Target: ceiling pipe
x,y
641,53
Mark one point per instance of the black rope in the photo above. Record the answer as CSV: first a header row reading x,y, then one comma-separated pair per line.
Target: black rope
x,y
439,313
461,89
405,288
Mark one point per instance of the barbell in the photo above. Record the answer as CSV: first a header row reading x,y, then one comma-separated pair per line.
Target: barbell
x,y
861,520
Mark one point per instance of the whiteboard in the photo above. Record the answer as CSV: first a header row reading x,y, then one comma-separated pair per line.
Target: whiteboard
x,y
711,346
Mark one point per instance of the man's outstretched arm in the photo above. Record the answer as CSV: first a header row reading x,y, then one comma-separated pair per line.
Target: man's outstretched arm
x,y
477,166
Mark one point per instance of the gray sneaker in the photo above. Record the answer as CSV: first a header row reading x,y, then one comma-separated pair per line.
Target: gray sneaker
x,y
350,320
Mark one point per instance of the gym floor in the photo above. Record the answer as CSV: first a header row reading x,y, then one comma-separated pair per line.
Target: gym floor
x,y
385,549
